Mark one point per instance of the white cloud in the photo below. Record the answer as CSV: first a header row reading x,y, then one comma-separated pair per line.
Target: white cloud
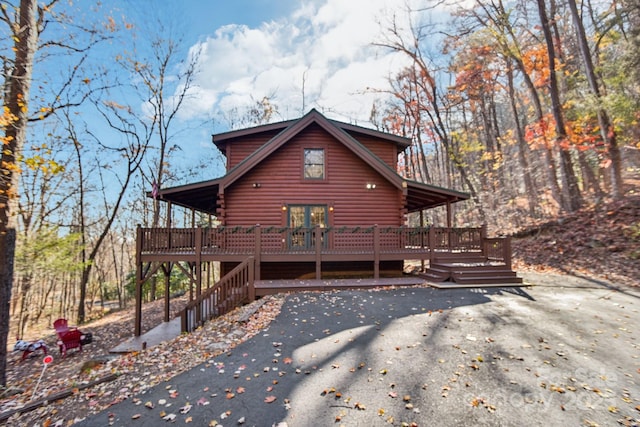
x,y
323,45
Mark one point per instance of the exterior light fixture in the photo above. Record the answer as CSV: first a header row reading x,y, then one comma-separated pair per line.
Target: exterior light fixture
x,y
284,208
371,186
256,185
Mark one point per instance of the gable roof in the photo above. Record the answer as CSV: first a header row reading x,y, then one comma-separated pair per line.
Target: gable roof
x,y
202,196
221,139
294,129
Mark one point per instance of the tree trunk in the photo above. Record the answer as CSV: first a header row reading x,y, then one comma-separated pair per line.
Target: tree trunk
x,y
16,103
523,148
571,197
7,251
607,130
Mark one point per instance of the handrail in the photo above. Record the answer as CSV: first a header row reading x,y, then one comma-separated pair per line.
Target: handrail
x,y
231,291
371,242
498,249
273,239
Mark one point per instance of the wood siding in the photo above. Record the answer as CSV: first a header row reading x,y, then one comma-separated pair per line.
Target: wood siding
x,y
240,148
258,197
387,151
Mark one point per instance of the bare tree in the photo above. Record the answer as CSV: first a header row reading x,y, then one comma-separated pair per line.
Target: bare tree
x,y
166,83
130,157
434,107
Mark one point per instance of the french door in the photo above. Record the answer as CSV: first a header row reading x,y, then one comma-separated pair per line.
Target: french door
x,y
302,220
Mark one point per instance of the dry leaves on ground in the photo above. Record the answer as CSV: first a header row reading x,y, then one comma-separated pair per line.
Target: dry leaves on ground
x,y
136,371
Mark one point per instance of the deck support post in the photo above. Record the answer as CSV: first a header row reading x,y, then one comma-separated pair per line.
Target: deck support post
x,y
318,247
257,253
483,239
432,245
167,294
198,272
138,323
506,248
376,252
253,265
421,238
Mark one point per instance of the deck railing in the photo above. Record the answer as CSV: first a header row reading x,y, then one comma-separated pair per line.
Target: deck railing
x,y
288,240
319,244
234,289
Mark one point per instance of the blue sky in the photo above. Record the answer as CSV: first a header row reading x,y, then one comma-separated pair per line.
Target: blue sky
x,y
302,54
208,15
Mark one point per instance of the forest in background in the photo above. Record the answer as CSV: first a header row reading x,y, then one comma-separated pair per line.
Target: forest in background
x,y
530,107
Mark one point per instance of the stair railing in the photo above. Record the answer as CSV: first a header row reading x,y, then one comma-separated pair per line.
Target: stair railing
x,y
231,291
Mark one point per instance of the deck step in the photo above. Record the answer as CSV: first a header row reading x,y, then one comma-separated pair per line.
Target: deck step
x,y
490,272
471,270
434,277
480,280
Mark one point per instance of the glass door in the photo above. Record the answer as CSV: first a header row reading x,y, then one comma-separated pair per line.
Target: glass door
x,y
302,221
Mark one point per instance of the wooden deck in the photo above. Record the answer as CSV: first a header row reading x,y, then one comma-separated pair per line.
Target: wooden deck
x,y
463,255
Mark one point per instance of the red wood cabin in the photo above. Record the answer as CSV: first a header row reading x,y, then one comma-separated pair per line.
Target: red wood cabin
x,y
308,199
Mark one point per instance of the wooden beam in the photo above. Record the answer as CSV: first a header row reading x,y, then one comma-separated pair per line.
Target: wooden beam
x,y
139,281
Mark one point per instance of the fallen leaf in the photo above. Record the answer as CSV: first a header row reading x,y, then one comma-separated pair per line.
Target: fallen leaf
x,y
270,399
287,361
135,416
240,390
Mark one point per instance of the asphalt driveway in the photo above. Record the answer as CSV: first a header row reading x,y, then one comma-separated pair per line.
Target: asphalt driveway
x,y
564,351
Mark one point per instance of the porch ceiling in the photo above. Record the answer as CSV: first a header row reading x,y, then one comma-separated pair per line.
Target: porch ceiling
x,y
424,196
201,196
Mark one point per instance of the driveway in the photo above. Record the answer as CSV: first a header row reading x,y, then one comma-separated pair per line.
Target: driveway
x,y
563,351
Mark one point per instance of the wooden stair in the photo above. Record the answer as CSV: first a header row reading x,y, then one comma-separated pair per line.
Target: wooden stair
x,y
470,270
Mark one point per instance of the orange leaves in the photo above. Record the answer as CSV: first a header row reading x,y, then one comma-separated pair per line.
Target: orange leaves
x,y
583,133
270,399
536,63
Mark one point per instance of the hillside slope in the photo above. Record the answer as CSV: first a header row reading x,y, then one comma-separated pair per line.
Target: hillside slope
x,y
600,242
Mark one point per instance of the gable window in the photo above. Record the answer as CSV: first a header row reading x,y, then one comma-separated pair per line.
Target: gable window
x,y
313,163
